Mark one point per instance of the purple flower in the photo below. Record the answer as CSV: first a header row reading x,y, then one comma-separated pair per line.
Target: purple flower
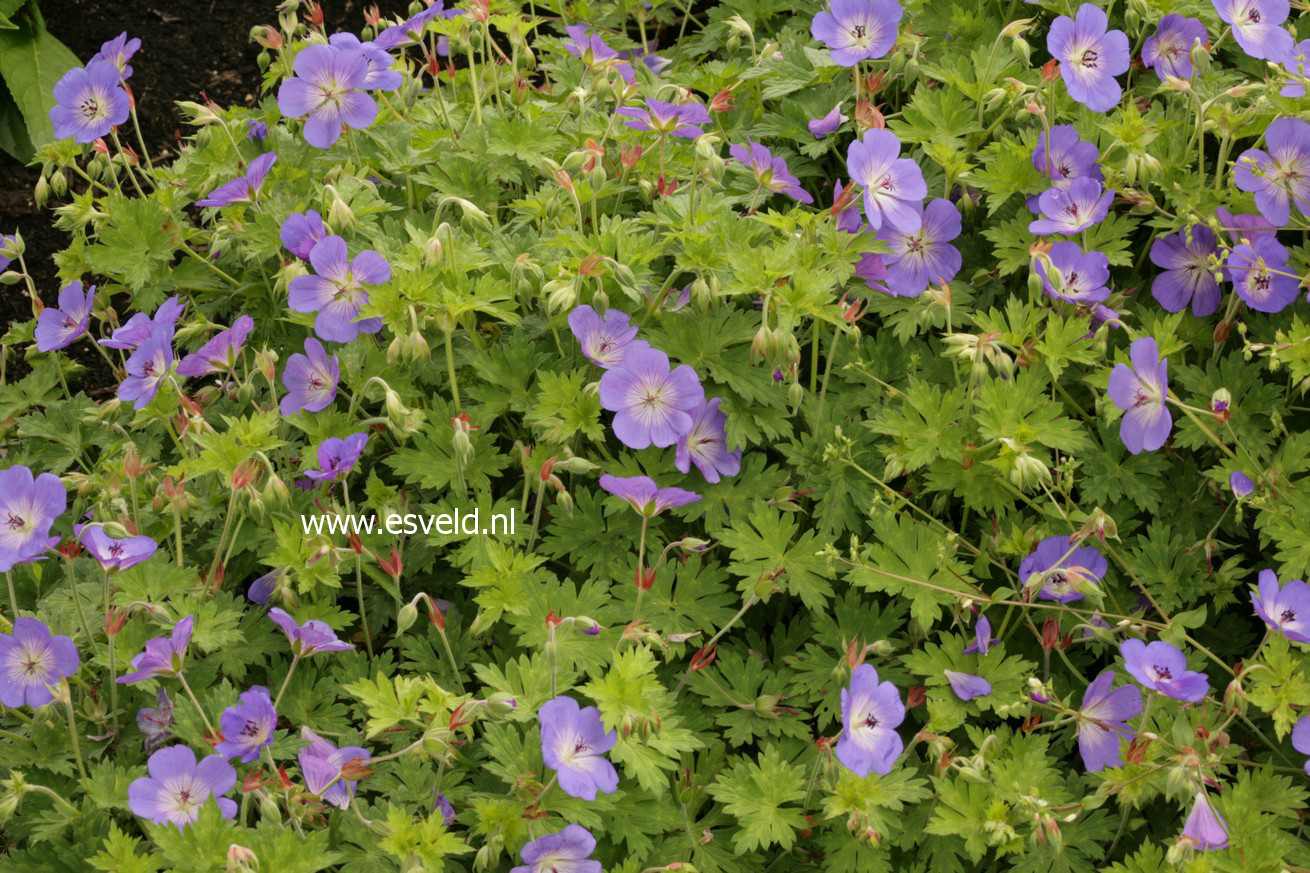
x,y
7,253
706,444
118,51
1241,484
606,340
1285,609
923,257
653,405
1204,827
28,507
114,555
31,660
337,293
446,809
380,76
162,656
982,637
147,367
642,495
592,50
565,852
326,87
1188,275
1301,738
873,270
646,54
1074,276
573,744
770,173
89,102
411,30
857,30
821,127
310,638
1169,51
1245,228
870,713
1069,157
967,686
1297,64
301,232
1102,721
177,787
1161,667
1090,57
247,727
321,763
337,457
893,186
1140,391
310,380
155,723
1261,276
1072,209
140,327
1064,569
1257,26
1280,173
244,189
58,328
262,588
220,353
668,119
256,130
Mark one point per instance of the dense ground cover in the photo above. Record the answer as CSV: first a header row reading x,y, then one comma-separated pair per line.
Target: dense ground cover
x,y
900,406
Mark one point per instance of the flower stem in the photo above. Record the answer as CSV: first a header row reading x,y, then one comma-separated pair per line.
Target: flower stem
x,y
359,576
450,656
477,88
202,259
450,369
113,667
750,601
13,598
536,514
186,687
127,163
72,734
286,680
641,567
54,795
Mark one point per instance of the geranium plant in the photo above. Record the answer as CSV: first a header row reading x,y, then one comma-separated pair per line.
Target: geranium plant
x,y
895,410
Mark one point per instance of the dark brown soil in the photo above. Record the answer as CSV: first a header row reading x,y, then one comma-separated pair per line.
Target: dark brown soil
x,y
188,47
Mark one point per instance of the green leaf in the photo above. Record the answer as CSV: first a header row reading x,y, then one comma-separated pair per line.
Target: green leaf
x,y
758,793
119,855
135,246
425,841
763,548
914,562
31,62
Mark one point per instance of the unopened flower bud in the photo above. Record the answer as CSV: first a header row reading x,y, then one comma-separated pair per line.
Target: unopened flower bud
x,y
405,617
266,360
340,215
576,465
241,859
1200,55
560,294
